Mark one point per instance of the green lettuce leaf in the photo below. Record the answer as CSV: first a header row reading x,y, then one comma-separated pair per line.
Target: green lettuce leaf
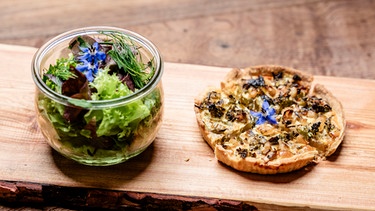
x,y
111,128
121,121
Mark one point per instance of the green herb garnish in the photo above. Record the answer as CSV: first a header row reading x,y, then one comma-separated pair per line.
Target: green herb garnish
x,y
126,54
59,72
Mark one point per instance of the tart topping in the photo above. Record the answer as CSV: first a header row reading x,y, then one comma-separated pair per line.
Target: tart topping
x,y
269,117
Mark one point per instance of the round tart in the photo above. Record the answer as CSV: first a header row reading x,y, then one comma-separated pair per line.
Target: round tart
x,y
270,119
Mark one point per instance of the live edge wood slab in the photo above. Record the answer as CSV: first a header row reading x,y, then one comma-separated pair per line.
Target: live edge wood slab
x,y
179,171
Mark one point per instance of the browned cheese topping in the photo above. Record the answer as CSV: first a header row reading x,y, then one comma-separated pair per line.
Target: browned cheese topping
x,y
269,117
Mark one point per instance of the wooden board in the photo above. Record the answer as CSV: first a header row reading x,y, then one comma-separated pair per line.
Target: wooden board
x,y
179,166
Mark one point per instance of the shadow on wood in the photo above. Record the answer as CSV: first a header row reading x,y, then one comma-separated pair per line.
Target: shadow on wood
x,y
104,176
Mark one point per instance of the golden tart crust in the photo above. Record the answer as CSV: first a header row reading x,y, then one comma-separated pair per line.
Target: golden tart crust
x,y
269,119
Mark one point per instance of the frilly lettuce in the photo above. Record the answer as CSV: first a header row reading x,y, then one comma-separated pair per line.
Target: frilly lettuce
x,y
119,124
120,121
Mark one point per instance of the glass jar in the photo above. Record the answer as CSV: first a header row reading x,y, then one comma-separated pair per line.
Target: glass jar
x,y
102,132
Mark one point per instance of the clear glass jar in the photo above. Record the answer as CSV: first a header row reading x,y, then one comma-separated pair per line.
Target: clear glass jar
x,y
128,125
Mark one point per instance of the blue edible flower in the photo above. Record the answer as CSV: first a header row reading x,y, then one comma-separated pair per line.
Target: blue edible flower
x,y
91,58
88,69
267,114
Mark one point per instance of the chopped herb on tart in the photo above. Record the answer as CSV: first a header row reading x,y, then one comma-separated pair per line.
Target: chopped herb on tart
x,y
269,120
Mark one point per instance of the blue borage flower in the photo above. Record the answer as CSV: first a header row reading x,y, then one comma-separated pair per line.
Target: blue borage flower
x,y
91,58
267,114
88,69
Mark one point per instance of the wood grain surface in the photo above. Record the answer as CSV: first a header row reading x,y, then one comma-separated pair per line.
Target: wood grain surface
x,y
179,170
326,37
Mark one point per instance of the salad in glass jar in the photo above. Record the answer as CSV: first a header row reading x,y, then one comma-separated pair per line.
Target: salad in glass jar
x,y
99,97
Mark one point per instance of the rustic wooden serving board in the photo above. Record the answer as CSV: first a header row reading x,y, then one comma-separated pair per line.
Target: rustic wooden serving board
x,y
179,168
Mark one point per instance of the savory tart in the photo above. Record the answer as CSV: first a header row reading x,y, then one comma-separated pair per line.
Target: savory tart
x,y
270,119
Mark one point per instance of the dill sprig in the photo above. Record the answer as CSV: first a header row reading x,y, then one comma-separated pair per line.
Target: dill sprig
x,y
127,56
